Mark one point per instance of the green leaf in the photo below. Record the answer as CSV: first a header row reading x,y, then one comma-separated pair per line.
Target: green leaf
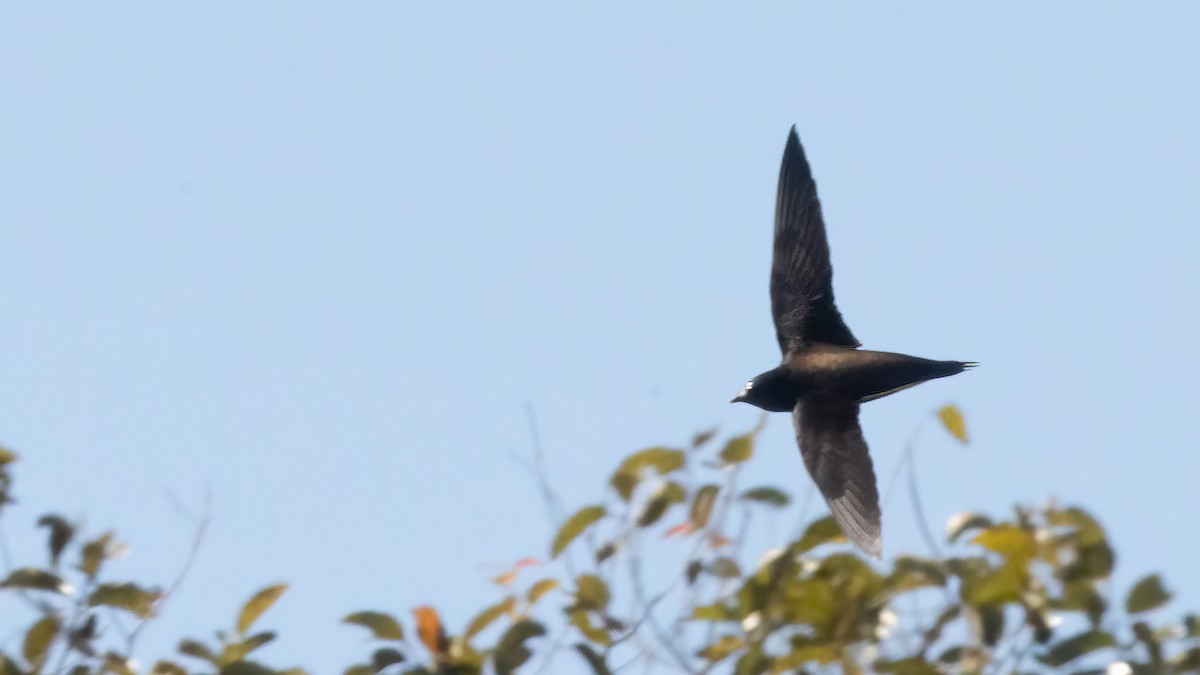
x,y
362,669
511,651
725,568
386,656
61,533
713,613
1072,648
257,640
738,449
575,525
591,592
767,495
1146,595
821,531
910,666
129,597
33,579
6,456
703,437
1093,560
722,648
1012,542
595,660
952,419
382,626
911,572
991,623
629,474
258,604
961,523
246,668
702,505
94,553
117,664
654,509
1000,585
541,588
38,640
487,616
164,667
197,650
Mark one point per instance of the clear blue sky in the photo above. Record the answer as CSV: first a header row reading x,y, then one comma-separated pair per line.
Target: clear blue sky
x,y
319,259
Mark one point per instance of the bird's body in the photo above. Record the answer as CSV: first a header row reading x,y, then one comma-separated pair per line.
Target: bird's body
x,y
824,376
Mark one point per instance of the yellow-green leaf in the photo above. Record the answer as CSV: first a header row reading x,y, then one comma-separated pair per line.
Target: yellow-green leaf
x,y
38,639
382,626
129,597
487,616
960,523
541,588
723,647
1146,595
575,526
819,532
591,592
164,667
596,634
1010,541
258,604
702,505
952,418
629,474
738,449
94,553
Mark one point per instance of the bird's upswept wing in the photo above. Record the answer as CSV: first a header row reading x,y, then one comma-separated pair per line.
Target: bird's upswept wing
x,y
801,275
835,453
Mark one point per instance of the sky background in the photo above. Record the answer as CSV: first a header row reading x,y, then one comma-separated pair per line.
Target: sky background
x,y
318,259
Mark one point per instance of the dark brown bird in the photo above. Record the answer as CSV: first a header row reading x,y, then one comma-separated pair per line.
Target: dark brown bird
x,y
824,376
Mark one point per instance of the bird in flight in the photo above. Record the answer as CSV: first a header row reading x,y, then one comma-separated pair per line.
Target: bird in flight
x,y
824,376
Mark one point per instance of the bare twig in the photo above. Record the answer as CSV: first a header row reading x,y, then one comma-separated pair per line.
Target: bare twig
x,y
202,524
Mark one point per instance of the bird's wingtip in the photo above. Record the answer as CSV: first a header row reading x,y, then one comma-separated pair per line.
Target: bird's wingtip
x,y
969,364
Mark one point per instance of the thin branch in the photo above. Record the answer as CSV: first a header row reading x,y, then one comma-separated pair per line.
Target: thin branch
x,y
635,573
202,524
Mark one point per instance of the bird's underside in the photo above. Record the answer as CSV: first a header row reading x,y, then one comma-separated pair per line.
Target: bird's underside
x,y
824,377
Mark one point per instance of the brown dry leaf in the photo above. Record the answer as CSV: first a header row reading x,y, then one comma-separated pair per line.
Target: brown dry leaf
x,y
431,632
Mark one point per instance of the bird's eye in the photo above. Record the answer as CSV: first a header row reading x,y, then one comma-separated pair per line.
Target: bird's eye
x,y
750,385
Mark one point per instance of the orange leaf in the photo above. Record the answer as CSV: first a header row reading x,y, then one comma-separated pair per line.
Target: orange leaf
x,y
430,630
527,562
682,528
506,578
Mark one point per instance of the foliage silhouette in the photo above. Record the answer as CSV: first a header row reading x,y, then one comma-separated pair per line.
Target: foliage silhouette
x,y
1025,593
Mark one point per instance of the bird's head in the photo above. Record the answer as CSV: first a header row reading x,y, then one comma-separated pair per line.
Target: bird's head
x,y
770,391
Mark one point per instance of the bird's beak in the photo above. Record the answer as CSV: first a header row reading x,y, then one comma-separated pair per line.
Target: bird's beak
x,y
741,396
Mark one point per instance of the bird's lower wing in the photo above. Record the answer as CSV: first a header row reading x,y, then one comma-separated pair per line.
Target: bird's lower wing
x,y
835,454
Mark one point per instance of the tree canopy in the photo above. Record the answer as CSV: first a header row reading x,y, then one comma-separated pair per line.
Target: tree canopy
x,y
658,573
